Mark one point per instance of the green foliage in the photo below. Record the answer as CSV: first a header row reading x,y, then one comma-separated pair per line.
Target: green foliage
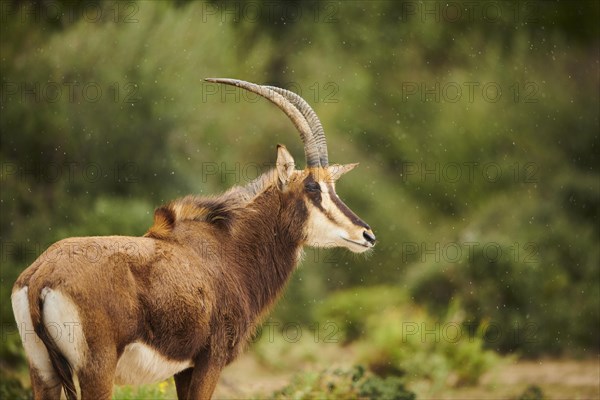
x,y
74,165
395,337
338,383
349,309
410,343
390,387
161,391
532,392
12,388
517,281
276,348
11,352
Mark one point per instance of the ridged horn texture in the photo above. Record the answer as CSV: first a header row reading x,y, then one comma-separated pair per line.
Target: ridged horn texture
x,y
289,107
312,119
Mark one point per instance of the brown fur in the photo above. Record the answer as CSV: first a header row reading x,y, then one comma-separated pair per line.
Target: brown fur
x,y
215,210
184,298
193,288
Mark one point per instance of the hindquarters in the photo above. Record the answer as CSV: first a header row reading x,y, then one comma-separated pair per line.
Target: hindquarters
x,y
50,328
59,344
111,309
66,310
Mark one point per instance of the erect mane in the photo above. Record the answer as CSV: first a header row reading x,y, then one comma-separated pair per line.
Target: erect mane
x,y
217,210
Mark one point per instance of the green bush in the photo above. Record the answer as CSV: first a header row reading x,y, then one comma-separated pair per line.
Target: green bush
x,y
12,388
408,342
535,287
341,383
349,309
156,121
273,349
395,337
532,392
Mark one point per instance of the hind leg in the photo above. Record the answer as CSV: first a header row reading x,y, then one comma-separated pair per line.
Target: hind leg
x,y
96,387
43,390
97,379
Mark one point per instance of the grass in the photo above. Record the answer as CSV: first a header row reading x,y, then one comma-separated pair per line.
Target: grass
x,y
160,391
249,378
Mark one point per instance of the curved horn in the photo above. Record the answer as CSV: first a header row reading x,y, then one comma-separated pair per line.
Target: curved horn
x,y
311,118
311,151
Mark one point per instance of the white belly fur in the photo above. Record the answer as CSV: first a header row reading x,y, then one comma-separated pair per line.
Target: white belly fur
x,y
141,364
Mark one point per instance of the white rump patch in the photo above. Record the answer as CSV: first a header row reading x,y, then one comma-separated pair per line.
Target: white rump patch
x,y
140,364
34,347
64,326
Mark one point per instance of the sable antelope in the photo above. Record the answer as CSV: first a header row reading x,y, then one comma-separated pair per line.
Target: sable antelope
x,y
183,299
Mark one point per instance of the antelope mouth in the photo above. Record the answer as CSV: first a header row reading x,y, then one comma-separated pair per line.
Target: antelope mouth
x,y
365,245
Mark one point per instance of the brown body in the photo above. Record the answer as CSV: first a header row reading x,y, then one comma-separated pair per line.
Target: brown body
x,y
184,299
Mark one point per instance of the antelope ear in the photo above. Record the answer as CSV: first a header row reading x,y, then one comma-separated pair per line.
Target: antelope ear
x,y
337,170
285,165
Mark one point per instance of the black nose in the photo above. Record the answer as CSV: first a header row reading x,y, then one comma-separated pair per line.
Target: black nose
x,y
369,237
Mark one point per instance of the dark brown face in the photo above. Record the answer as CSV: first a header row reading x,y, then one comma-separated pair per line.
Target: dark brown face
x,y
330,222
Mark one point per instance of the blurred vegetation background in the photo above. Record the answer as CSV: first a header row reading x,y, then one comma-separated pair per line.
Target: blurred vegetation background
x,y
476,128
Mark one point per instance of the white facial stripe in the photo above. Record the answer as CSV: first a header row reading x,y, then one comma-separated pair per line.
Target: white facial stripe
x,y
322,232
330,226
330,206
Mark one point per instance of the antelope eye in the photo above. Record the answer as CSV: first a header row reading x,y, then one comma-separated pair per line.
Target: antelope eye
x,y
313,187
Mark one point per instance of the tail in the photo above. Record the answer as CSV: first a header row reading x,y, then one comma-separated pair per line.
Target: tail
x,y
61,365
